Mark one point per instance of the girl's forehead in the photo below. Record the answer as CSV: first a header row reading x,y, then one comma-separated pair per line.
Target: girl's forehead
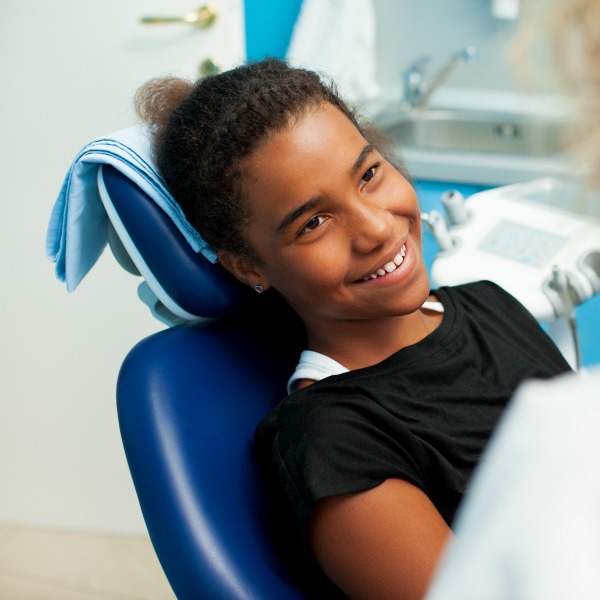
x,y
324,131
312,157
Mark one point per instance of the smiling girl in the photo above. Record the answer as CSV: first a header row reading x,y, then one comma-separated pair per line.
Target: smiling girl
x,y
400,387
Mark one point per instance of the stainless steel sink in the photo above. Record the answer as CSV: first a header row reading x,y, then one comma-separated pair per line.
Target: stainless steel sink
x,y
476,131
487,147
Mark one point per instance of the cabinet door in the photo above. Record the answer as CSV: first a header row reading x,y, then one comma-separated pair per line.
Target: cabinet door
x,y
69,72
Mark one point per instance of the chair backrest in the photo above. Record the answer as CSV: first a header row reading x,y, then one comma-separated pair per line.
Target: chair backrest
x,y
188,401
185,282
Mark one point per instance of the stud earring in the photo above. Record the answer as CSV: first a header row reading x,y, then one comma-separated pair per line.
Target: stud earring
x,y
259,288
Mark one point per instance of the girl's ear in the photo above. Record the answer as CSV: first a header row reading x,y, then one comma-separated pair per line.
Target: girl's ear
x,y
244,269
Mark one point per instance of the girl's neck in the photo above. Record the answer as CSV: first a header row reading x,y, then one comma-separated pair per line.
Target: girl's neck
x,y
361,344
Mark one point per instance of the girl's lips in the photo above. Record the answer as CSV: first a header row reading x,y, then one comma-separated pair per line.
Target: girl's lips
x,y
392,271
389,266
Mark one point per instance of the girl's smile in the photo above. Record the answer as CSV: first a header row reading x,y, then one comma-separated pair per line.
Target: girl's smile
x,y
390,266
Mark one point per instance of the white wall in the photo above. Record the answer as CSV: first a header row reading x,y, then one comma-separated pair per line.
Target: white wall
x,y
438,28
61,461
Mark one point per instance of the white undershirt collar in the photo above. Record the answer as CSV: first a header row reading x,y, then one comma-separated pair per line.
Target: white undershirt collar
x,y
316,366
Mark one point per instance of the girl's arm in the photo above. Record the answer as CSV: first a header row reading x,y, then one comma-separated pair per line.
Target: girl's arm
x,y
380,544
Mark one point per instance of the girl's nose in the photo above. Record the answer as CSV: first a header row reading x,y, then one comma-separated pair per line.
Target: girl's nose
x,y
372,226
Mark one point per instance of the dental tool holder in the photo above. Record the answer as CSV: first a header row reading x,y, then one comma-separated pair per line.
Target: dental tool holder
x,y
437,225
455,207
538,240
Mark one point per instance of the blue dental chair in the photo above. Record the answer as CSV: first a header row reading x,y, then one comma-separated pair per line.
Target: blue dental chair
x,y
188,400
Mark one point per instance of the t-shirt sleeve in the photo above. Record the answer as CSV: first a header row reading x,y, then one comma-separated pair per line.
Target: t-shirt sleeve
x,y
498,305
331,445
495,301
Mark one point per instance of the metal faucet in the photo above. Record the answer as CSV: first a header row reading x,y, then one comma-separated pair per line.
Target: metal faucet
x,y
416,89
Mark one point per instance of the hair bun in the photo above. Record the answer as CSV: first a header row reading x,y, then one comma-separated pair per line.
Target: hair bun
x,y
156,99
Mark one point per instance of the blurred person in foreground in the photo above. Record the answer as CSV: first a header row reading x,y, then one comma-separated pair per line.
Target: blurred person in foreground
x,y
529,527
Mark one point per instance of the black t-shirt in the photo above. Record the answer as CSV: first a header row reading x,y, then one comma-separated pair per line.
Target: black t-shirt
x,y
423,415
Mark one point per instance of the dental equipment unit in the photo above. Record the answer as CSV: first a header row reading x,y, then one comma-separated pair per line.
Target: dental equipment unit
x,y
539,240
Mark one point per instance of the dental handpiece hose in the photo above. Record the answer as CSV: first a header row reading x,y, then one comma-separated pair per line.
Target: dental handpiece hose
x,y
560,282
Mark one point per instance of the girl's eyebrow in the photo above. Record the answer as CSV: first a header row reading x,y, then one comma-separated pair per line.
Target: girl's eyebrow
x,y
298,212
361,158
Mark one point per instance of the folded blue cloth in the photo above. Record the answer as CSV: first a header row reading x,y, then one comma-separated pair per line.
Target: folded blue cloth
x,y
78,229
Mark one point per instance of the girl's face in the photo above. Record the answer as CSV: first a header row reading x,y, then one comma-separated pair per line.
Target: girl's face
x,y
337,228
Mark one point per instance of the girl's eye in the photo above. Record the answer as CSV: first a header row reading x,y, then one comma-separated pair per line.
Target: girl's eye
x,y
313,223
368,175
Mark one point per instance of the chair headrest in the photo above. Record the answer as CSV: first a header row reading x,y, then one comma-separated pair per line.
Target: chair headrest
x,y
185,282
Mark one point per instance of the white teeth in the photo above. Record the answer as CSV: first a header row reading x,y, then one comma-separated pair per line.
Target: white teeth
x,y
390,266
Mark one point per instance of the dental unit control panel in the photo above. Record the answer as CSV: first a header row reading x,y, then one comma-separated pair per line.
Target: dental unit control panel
x,y
539,240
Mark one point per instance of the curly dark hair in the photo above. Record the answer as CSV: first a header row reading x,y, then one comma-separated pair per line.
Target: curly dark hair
x,y
204,131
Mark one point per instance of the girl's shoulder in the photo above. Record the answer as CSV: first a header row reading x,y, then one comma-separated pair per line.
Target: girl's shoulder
x,y
482,298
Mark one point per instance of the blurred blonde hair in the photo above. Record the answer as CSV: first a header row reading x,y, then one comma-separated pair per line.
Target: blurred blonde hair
x,y
568,33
